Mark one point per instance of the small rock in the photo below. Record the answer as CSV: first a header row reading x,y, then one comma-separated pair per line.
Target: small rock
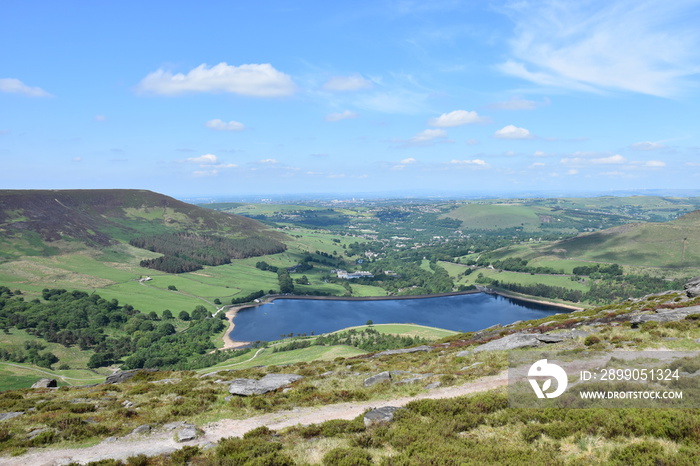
x,y
471,365
382,415
433,385
36,432
210,374
186,434
6,416
327,374
463,354
45,383
110,439
142,429
399,372
128,404
382,376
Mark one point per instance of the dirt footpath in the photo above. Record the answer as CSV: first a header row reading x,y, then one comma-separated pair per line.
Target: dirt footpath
x,y
159,442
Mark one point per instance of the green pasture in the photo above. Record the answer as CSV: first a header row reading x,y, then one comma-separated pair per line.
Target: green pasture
x,y
526,279
266,357
497,216
409,330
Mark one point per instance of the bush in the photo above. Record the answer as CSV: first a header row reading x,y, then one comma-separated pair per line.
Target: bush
x,y
591,340
347,457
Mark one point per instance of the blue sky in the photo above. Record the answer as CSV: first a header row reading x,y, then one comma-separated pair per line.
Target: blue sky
x,y
235,98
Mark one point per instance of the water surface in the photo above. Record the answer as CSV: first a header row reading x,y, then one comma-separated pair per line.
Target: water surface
x,y
462,313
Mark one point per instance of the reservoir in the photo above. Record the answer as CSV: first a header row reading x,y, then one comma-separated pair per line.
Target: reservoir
x,y
462,313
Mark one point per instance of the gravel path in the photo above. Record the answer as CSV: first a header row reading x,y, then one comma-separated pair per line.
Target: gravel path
x,y
159,441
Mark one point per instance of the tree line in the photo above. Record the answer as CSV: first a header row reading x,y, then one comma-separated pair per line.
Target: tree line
x,y
189,251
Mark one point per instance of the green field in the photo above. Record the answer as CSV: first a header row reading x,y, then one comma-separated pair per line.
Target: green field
x,y
497,216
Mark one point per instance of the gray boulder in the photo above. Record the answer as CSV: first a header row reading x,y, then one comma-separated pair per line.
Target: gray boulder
x,y
382,376
36,432
269,383
692,288
5,416
433,385
383,415
123,376
45,383
404,350
142,429
515,341
187,433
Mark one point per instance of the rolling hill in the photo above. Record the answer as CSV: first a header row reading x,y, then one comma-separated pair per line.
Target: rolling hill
x,y
101,217
670,244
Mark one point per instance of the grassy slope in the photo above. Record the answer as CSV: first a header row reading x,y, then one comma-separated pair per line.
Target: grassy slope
x,y
652,244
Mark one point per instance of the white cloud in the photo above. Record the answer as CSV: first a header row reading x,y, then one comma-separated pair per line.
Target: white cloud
x,y
340,116
517,103
77,159
539,153
220,125
647,145
100,118
655,163
613,159
409,161
538,164
513,132
646,47
473,142
257,80
354,82
15,86
457,118
268,161
572,171
477,162
581,161
206,159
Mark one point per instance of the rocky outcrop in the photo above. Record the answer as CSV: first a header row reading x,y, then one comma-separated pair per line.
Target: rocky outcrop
x,y
515,341
665,315
381,377
271,382
45,383
123,376
383,415
692,288
404,350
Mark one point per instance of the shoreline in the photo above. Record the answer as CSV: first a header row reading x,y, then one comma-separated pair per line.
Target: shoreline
x,y
232,311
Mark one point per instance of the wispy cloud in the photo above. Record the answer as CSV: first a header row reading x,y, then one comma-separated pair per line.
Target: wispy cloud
x,y
354,82
457,118
256,80
15,86
647,145
647,47
340,116
427,137
517,103
209,164
220,125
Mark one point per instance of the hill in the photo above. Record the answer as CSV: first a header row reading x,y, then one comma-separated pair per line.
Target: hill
x,y
645,244
103,217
